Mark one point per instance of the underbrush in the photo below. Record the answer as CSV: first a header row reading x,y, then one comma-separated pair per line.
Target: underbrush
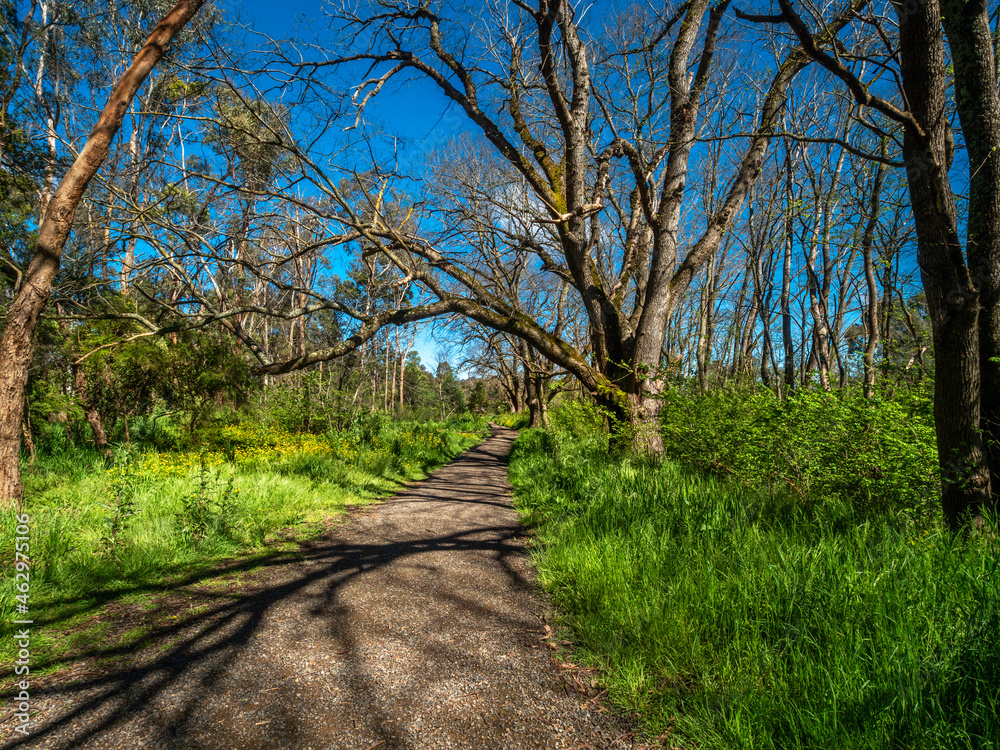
x,y
100,532
877,455
515,420
732,617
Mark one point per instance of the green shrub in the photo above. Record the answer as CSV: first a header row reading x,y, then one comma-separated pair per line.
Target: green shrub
x,y
516,420
878,456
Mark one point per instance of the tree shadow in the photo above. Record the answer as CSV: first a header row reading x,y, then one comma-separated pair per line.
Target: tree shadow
x,y
181,661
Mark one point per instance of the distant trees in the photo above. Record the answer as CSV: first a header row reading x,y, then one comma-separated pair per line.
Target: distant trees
x,y
560,113
611,210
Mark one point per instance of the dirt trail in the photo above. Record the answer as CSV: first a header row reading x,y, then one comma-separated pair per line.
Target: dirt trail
x,y
416,625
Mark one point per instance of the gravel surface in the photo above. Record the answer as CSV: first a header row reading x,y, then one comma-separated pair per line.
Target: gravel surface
x,y
415,625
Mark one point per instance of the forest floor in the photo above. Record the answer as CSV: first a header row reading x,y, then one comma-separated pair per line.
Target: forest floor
x,y
416,624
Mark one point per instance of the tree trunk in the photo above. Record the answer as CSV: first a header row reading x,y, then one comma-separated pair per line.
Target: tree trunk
x,y
635,423
952,297
967,25
819,360
871,317
786,278
534,405
705,325
26,431
17,343
741,329
93,416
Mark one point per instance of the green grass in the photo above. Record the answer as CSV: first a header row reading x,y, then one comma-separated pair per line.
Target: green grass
x,y
878,455
102,534
745,619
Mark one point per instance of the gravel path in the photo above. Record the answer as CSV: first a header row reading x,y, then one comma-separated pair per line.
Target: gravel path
x,y
416,625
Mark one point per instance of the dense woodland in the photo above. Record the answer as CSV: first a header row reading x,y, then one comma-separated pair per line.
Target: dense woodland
x,y
615,202
739,263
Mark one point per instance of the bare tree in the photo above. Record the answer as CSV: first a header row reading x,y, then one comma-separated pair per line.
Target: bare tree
x,y
962,288
535,100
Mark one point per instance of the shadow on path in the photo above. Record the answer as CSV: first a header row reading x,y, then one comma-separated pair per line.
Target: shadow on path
x,y
413,626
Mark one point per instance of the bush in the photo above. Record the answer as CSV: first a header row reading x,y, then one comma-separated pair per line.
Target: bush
x,y
514,420
878,456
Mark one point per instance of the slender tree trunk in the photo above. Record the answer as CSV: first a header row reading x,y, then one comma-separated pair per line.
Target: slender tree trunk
x,y
786,277
828,341
389,362
819,360
707,310
93,416
48,182
128,258
871,318
82,390
740,325
17,342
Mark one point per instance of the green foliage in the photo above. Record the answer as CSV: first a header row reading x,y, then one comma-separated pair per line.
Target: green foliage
x,y
479,398
419,391
155,516
516,420
125,484
579,419
878,456
451,394
198,372
209,507
302,404
53,411
735,619
149,390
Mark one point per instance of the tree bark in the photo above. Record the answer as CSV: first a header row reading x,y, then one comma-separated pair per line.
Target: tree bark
x,y
952,296
967,25
871,316
93,415
705,325
17,343
786,277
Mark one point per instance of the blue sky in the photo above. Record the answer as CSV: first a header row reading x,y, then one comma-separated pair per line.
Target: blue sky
x,y
417,112
413,112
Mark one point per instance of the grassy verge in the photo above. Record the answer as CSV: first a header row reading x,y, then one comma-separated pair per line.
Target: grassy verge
x,y
736,618
105,534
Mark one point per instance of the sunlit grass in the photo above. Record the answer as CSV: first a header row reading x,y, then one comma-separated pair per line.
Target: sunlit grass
x,y
101,533
744,620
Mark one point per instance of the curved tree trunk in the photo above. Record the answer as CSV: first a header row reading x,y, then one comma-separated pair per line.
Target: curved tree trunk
x,y
17,343
93,415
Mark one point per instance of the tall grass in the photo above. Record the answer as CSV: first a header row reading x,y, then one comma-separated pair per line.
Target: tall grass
x,y
101,532
746,619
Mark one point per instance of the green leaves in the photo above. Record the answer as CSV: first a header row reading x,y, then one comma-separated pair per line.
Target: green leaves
x,y
731,617
877,456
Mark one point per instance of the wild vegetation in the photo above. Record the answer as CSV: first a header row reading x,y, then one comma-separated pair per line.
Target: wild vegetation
x,y
117,528
777,276
604,202
735,613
